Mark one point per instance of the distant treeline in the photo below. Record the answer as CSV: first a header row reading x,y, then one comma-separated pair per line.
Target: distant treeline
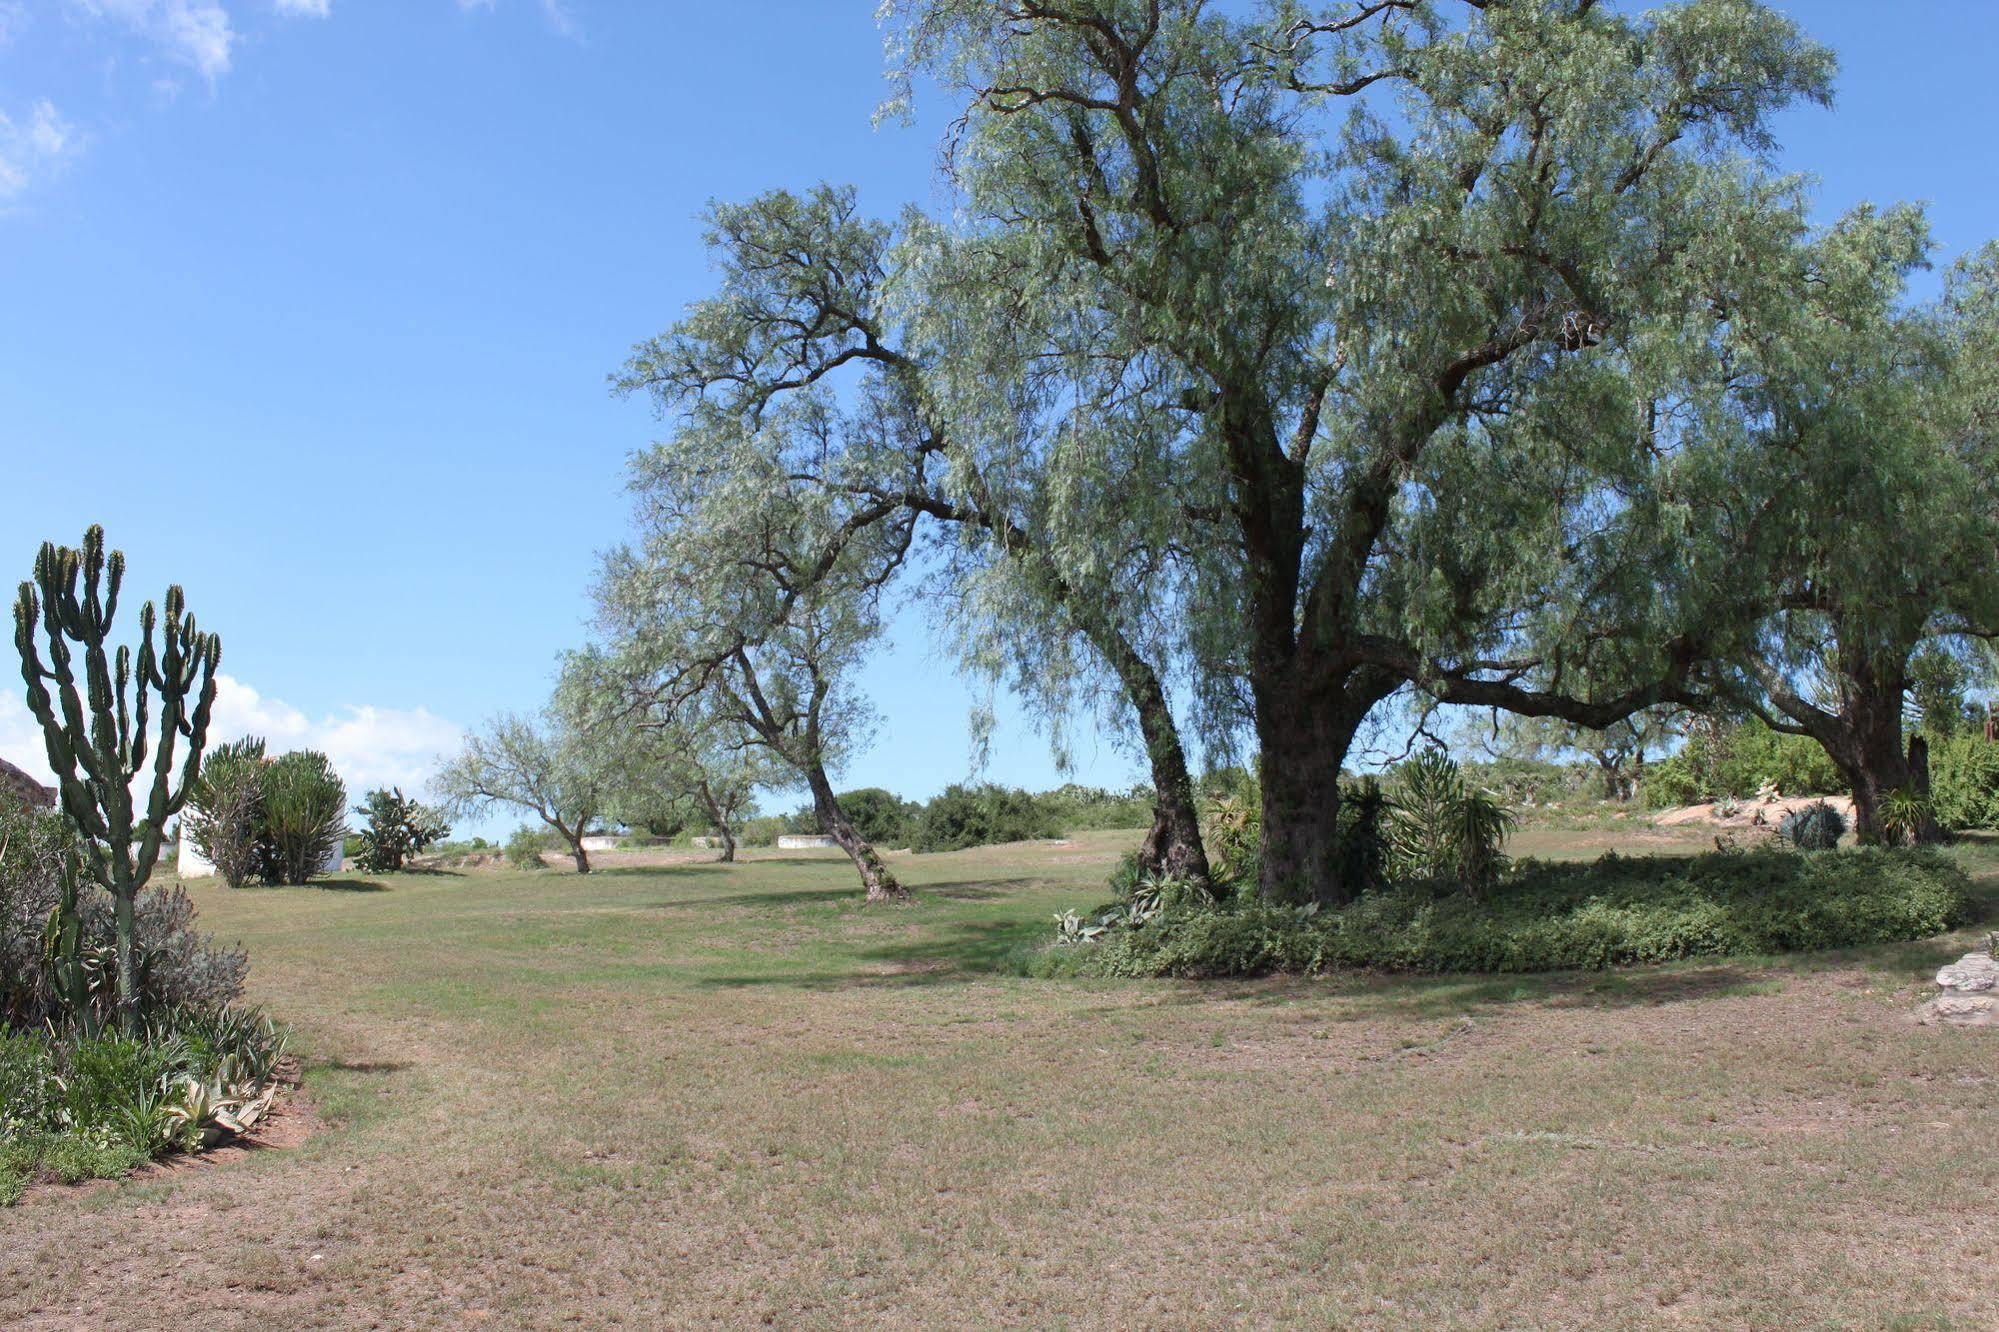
x,y
980,814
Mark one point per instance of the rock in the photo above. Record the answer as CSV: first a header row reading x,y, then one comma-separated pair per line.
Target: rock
x,y
1972,973
1969,993
18,785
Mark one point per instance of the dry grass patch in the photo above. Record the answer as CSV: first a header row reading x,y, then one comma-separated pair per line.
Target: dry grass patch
x,y
690,1096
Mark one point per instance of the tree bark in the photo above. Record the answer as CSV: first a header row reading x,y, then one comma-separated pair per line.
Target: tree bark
x,y
579,855
1306,731
124,908
881,885
1173,846
720,819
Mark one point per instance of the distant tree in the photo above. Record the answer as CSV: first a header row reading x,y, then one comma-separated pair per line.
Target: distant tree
x,y
1618,750
749,605
547,765
97,728
395,828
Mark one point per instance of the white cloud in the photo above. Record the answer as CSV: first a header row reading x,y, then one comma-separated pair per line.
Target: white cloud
x,y
195,32
13,18
32,147
369,746
303,8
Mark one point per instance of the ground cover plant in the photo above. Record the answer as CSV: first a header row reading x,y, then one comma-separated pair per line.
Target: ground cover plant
x,y
1615,911
773,1104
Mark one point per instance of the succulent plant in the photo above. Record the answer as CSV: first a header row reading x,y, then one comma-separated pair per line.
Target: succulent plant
x,y
1815,827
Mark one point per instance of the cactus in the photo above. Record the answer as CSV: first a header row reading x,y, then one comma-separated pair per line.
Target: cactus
x,y
97,729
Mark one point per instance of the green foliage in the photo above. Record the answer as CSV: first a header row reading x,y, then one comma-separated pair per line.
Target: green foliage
x,y
394,829
1232,830
305,805
881,817
1964,781
1938,679
1552,917
525,847
1739,761
1816,827
74,1109
1442,830
1075,808
981,815
1904,814
225,814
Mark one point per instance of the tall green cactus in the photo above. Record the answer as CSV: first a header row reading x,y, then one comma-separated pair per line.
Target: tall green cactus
x,y
96,731
62,942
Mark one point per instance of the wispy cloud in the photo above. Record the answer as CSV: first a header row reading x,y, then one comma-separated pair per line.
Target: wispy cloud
x,y
304,8
369,746
32,147
194,32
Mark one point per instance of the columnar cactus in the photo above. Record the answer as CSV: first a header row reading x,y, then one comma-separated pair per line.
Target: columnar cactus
x,y
96,729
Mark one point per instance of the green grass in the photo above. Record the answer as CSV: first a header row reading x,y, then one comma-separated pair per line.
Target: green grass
x,y
686,1094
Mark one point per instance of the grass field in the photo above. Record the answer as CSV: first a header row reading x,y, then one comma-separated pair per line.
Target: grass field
x,y
704,1095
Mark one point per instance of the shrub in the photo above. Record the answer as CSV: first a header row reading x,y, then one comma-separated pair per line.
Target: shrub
x,y
394,829
881,817
75,1109
1964,781
1440,829
305,804
225,815
524,848
1740,761
177,965
1549,917
982,815
1075,808
1816,827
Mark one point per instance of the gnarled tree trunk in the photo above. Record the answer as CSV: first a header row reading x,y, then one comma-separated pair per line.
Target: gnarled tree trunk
x,y
882,886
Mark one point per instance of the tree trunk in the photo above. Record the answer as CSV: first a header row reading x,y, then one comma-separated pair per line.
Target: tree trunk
x,y
720,819
1173,846
882,885
1867,748
1305,736
579,855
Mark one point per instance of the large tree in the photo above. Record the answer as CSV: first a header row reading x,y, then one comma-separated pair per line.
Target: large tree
x,y
1866,515
1415,279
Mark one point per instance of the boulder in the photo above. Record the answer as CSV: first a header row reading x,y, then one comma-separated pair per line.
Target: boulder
x,y
18,785
1967,993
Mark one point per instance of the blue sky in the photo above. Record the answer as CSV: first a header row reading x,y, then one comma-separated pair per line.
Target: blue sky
x,y
311,303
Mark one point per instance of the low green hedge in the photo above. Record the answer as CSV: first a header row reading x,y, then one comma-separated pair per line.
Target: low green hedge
x,y
1557,917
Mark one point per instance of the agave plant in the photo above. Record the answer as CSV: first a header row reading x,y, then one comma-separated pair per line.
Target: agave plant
x,y
1904,817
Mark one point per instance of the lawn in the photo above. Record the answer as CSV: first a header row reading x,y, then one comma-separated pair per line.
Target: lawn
x,y
686,1094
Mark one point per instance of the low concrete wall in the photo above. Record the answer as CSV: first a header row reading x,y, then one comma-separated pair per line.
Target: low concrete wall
x,y
191,864
805,842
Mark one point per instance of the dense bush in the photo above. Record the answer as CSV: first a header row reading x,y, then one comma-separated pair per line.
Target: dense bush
x,y
1441,828
1964,781
225,814
305,806
1550,917
1816,827
177,965
1739,761
883,818
982,815
394,828
524,848
1074,808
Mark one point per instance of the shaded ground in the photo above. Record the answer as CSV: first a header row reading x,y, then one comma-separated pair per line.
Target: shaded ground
x,y
693,1095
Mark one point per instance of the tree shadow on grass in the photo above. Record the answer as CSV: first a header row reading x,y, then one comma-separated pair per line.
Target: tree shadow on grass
x,y
961,952
341,886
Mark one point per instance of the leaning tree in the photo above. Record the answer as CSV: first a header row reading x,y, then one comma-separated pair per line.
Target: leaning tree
x,y
816,298
750,600
96,724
